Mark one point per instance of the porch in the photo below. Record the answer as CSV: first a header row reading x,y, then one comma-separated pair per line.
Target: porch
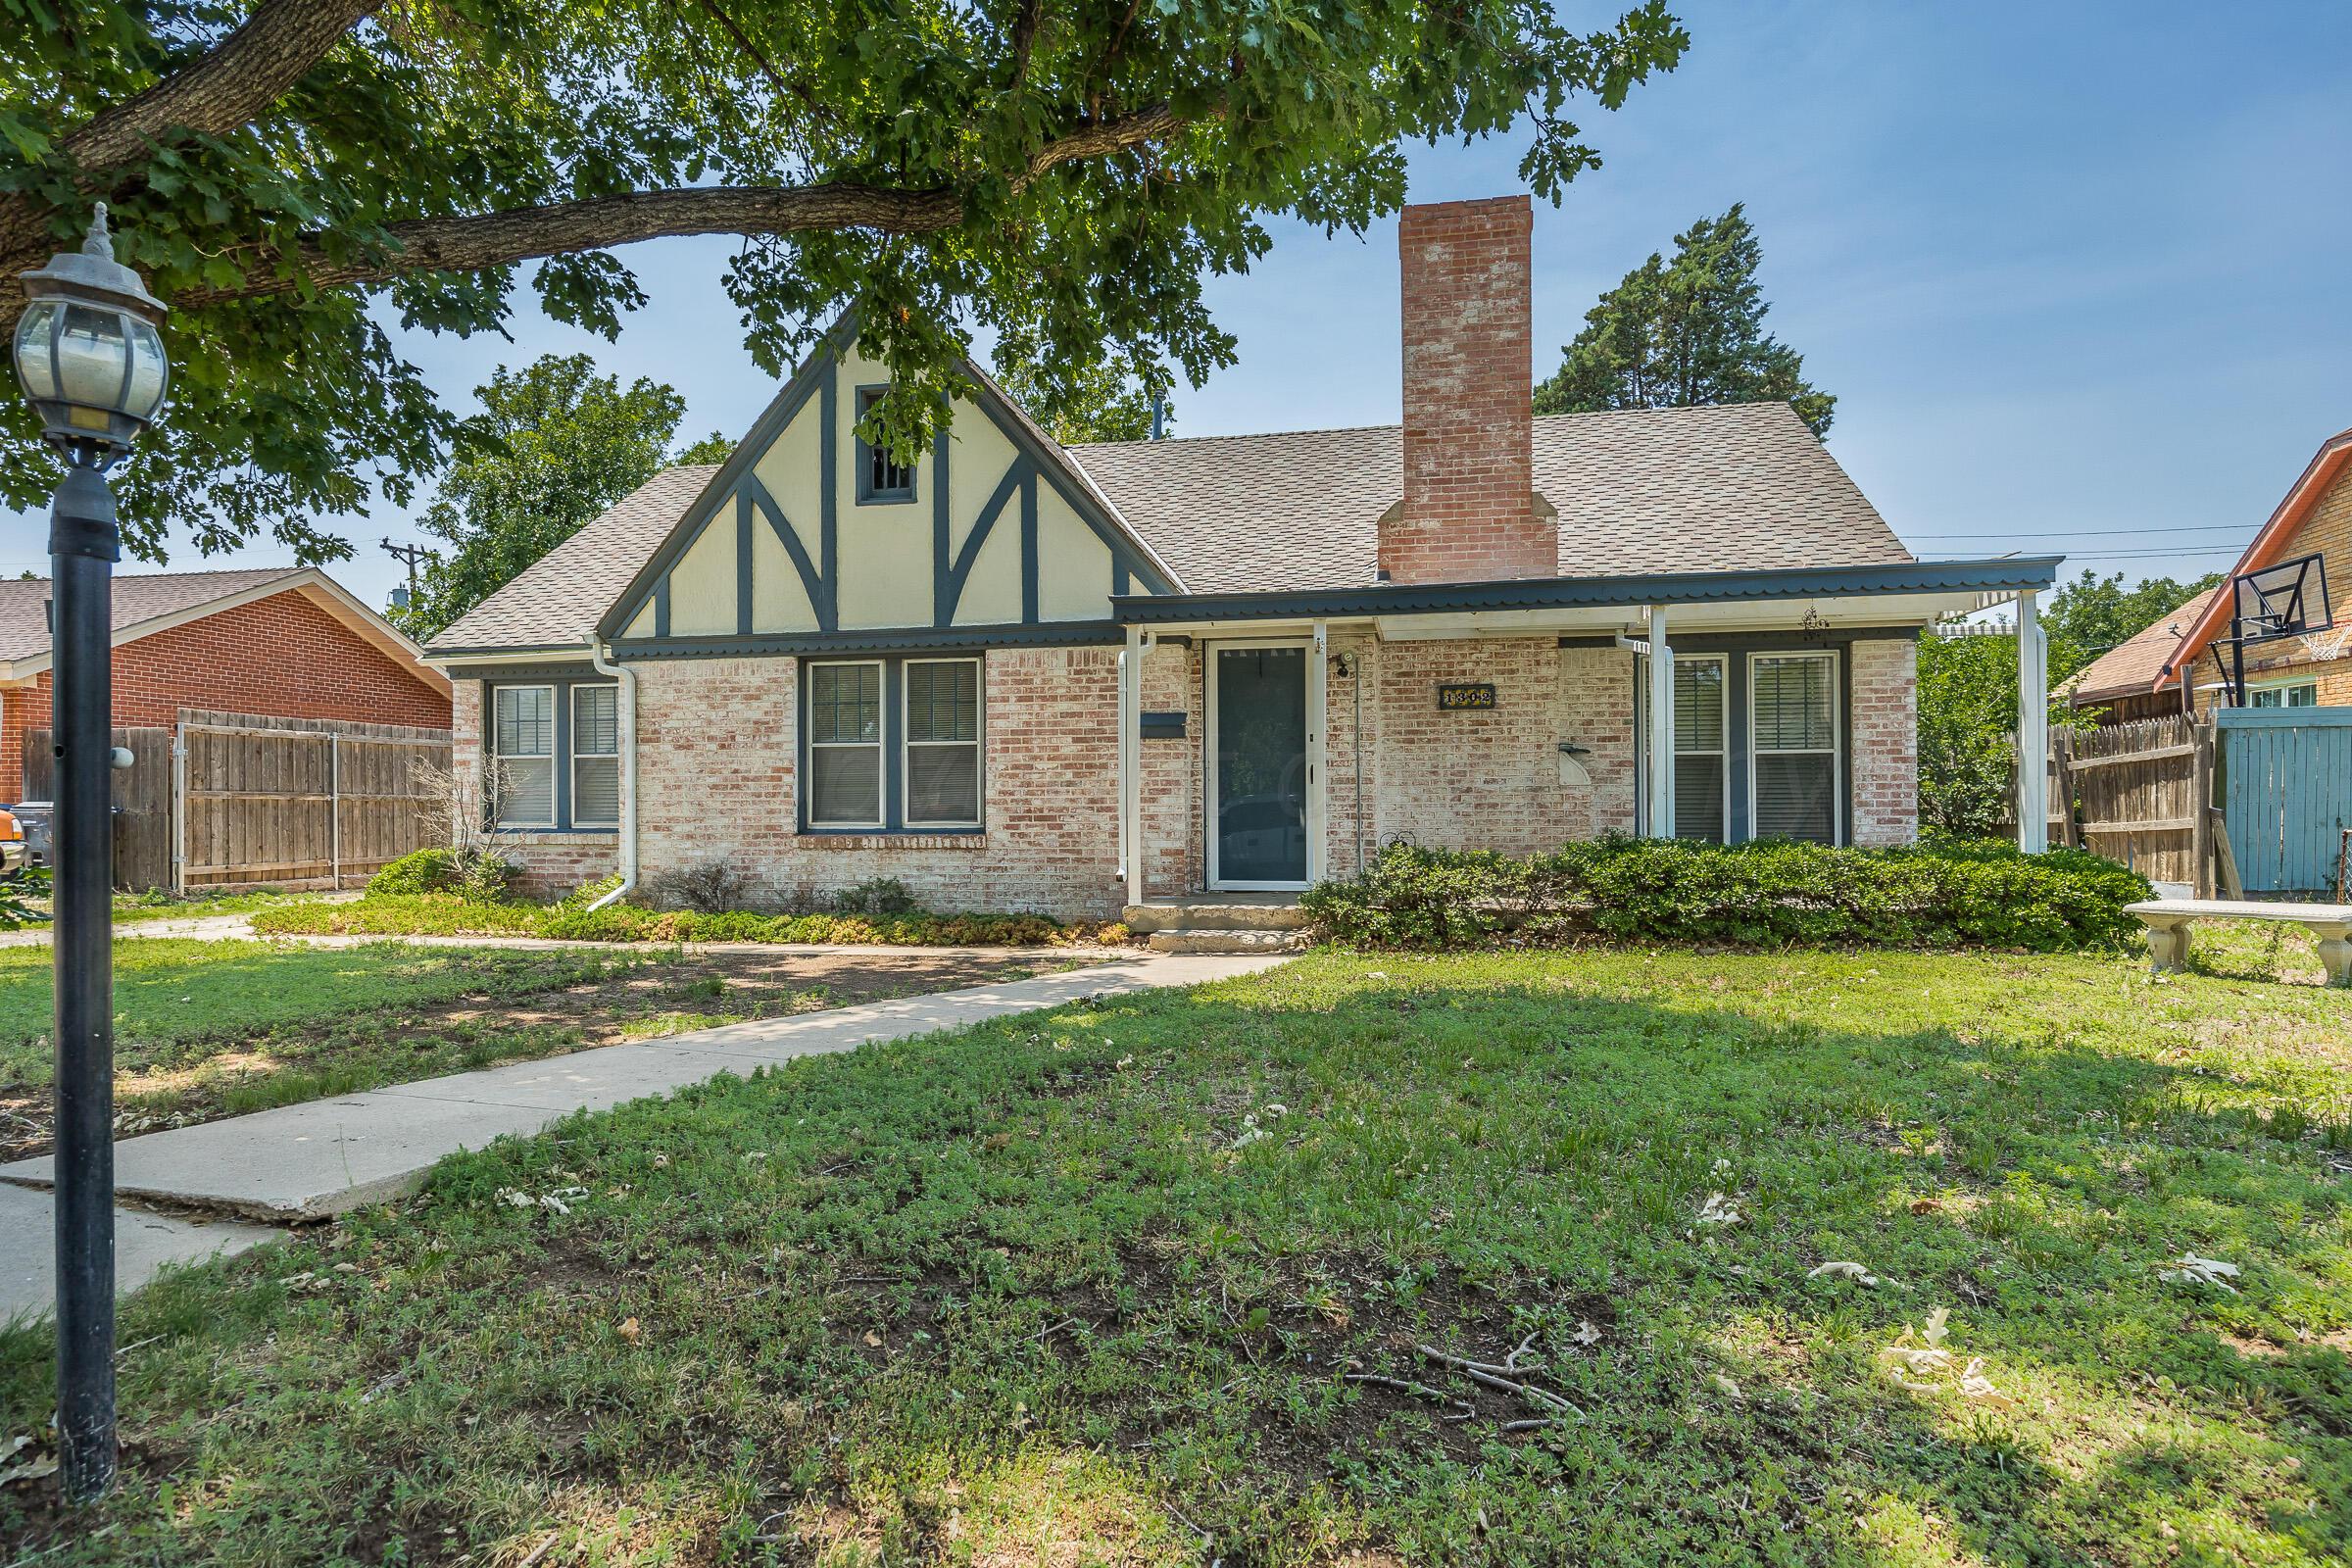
x,y
1269,741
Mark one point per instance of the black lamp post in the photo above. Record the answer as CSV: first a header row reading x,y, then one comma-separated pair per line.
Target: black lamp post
x,y
91,360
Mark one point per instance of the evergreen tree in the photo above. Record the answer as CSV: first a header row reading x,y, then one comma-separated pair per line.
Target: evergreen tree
x,y
1684,333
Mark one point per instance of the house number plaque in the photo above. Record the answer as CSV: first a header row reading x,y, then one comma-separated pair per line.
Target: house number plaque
x,y
1461,696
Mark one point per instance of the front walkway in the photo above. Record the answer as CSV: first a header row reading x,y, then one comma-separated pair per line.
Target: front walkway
x,y
314,1161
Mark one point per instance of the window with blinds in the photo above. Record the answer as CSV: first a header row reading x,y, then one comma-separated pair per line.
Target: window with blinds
x,y
844,745
1700,797
595,756
943,743
522,757
1792,737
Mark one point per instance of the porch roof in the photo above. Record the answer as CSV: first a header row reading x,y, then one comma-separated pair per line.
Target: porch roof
x,y
1889,593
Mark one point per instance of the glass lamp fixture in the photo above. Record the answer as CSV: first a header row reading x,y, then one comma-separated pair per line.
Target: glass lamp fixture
x,y
88,352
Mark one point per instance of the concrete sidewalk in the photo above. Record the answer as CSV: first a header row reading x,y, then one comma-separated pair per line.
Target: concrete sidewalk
x,y
203,927
311,1161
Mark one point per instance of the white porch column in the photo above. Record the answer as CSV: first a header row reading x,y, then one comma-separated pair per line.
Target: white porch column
x,y
1130,722
1660,814
2033,728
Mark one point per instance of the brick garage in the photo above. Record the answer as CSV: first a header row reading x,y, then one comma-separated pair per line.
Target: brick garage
x,y
286,643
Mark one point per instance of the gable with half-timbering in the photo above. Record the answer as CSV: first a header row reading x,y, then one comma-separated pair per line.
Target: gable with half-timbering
x,y
807,534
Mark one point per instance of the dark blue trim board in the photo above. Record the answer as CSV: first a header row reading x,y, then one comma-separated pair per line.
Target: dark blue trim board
x,y
2009,575
919,640
812,581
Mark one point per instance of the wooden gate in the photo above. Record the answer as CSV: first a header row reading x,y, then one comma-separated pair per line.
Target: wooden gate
x,y
2137,793
142,799
2286,789
302,801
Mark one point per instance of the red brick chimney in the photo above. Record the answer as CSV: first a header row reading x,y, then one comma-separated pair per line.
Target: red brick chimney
x,y
1469,513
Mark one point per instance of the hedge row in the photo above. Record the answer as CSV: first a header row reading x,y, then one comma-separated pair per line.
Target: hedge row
x,y
448,915
1765,894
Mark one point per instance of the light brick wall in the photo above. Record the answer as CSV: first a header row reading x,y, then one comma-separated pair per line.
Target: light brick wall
x,y
2328,530
1494,779
1884,766
718,764
1171,782
1468,513
279,655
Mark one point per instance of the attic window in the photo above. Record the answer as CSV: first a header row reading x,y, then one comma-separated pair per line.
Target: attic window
x,y
879,479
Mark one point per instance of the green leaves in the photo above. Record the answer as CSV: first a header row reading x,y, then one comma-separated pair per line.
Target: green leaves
x,y
1766,893
291,404
556,444
1686,332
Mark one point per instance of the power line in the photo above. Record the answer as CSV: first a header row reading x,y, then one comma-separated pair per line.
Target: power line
x,y
2081,533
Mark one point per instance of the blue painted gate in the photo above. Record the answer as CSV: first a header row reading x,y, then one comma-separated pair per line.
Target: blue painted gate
x,y
2286,795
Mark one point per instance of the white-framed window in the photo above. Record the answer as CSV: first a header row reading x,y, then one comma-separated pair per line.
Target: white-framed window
x,y
522,756
1701,719
2283,694
845,744
595,755
940,734
1794,760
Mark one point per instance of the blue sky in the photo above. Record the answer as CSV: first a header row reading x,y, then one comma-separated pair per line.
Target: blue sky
x,y
2077,273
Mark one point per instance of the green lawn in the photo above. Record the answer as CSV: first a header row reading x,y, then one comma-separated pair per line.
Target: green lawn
x,y
208,1029
133,909
1089,1287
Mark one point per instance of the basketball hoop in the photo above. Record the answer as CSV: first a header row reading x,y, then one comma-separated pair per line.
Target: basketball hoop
x,y
2286,600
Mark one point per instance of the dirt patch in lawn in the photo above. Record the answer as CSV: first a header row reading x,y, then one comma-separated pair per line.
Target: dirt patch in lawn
x,y
1329,1317
643,999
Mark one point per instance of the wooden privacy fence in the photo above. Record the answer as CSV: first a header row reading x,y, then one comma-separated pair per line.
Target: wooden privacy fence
x,y
142,797
2243,803
311,801
2287,787
2139,792
241,799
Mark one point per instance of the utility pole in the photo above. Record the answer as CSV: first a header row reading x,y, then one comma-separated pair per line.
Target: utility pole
x,y
412,556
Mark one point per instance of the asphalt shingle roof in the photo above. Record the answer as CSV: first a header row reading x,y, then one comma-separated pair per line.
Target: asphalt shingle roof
x,y
1744,487
1738,487
137,597
2133,664
562,595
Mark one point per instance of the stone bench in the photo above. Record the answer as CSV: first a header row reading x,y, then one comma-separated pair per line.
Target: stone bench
x,y
2168,922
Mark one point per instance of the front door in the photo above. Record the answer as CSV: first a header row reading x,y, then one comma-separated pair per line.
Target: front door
x,y
1258,783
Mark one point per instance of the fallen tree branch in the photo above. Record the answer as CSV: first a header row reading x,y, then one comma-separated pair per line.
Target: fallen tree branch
x,y
1493,1376
1417,1389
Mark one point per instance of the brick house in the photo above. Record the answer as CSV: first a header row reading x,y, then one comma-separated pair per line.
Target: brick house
x,y
1016,676
2144,677
285,641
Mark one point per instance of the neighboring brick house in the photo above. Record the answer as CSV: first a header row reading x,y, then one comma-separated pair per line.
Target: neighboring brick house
x,y
1020,675
2144,677
283,641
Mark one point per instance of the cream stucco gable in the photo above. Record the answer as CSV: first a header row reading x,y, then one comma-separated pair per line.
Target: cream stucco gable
x,y
801,535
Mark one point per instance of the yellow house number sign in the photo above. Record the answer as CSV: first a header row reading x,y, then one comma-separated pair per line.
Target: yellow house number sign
x,y
1455,697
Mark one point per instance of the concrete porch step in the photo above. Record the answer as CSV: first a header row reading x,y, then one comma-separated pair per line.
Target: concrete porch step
x,y
1228,942
1146,918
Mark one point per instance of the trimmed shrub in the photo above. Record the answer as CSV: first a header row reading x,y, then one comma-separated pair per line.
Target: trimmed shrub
x,y
475,874
1771,893
881,895
708,887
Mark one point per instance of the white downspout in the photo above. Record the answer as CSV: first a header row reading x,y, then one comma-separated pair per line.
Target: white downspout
x,y
627,678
